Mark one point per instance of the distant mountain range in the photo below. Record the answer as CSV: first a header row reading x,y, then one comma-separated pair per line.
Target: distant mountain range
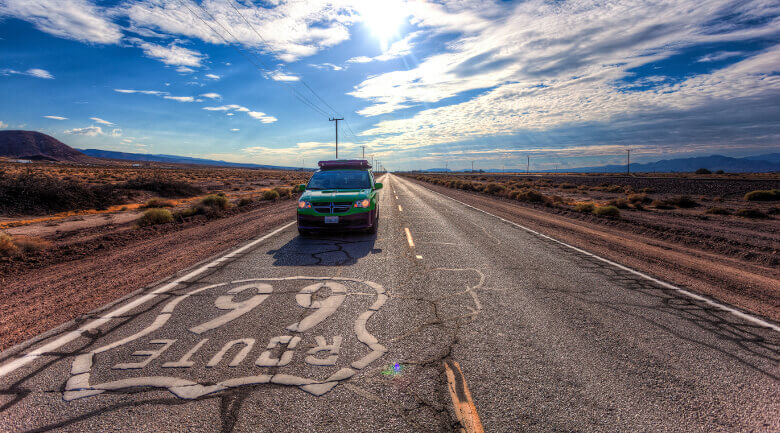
x,y
750,164
173,159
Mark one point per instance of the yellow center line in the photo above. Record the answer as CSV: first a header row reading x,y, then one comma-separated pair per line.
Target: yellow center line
x,y
400,209
464,406
409,237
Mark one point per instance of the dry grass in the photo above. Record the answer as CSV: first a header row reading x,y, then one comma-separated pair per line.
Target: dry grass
x,y
763,195
14,245
155,216
159,202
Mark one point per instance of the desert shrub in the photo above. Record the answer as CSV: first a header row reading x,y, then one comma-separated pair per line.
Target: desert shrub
x,y
682,202
750,213
639,206
718,211
619,203
614,188
703,171
188,212
661,204
556,199
584,207
567,186
30,245
493,188
163,187
639,198
158,202
763,195
608,211
647,190
284,192
270,195
155,216
530,195
244,202
215,201
7,246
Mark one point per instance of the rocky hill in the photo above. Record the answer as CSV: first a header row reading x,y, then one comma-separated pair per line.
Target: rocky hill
x,y
38,147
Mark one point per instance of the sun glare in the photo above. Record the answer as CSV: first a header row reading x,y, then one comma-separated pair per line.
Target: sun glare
x,y
384,19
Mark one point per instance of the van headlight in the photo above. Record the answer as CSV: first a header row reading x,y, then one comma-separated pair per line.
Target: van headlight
x,y
304,205
363,203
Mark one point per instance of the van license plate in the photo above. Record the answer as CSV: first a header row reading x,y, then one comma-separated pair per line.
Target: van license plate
x,y
331,220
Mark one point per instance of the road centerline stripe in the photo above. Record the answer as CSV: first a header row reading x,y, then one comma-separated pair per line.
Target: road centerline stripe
x,y
465,410
409,237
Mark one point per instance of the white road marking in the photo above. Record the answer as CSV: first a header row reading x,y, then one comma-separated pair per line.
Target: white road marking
x,y
734,311
400,209
409,237
419,257
70,336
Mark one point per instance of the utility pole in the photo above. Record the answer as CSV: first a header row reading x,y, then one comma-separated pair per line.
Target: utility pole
x,y
472,166
628,162
528,164
337,133
364,151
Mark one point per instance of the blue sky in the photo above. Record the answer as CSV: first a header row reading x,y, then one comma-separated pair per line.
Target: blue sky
x,y
421,83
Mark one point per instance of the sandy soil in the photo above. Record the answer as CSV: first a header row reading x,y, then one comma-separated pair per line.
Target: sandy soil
x,y
97,264
736,265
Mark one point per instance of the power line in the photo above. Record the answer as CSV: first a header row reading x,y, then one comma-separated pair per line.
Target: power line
x,y
264,68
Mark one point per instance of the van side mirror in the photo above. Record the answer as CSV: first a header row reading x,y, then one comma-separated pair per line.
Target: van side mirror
x,y
377,185
302,187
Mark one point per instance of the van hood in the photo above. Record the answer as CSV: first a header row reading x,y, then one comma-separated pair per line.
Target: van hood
x,y
328,195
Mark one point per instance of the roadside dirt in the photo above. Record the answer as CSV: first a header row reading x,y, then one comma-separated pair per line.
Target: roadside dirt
x,y
93,266
694,256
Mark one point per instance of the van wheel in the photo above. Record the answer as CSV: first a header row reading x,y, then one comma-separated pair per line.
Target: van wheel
x,y
375,225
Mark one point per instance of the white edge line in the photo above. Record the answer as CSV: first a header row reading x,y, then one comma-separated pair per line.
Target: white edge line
x,y
687,293
70,336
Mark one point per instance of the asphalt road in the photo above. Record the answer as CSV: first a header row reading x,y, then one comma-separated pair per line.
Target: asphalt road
x,y
364,333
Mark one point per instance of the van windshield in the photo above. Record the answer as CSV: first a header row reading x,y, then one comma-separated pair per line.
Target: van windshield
x,y
340,179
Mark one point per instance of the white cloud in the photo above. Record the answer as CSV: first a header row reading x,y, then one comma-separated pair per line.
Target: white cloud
x,y
171,54
145,92
213,76
227,108
116,132
721,55
33,72
184,70
90,131
56,117
259,115
212,95
3,125
180,98
73,19
291,29
233,129
101,121
40,73
360,59
327,66
281,76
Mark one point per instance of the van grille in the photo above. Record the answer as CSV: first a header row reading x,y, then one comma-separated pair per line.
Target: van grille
x,y
332,207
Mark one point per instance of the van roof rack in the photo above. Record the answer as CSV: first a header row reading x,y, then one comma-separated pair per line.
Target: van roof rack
x,y
358,164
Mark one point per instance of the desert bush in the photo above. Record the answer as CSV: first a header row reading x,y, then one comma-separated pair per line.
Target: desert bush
x,y
7,246
155,216
718,211
530,195
639,198
584,207
270,195
567,186
703,171
284,192
36,194
619,203
608,211
639,206
158,202
244,202
661,204
215,201
493,188
750,213
188,212
682,202
30,245
763,195
614,188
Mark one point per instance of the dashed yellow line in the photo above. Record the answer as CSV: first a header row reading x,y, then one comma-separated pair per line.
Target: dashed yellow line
x,y
400,209
461,399
409,237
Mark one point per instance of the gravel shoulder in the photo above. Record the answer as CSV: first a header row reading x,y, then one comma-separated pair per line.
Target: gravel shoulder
x,y
731,278
98,265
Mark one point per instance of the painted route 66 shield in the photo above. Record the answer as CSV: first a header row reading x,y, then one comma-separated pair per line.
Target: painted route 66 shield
x,y
308,332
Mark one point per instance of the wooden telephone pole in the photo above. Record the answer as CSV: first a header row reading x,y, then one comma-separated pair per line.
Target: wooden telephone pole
x,y
337,133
